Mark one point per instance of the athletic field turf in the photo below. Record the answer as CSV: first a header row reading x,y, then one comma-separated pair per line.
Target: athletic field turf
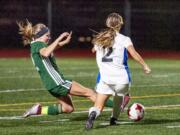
x,y
20,88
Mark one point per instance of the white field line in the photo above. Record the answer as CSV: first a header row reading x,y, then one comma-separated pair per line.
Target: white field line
x,y
20,90
155,85
81,74
162,107
65,68
20,117
85,110
160,76
118,123
165,75
39,89
49,121
12,118
178,126
168,107
19,77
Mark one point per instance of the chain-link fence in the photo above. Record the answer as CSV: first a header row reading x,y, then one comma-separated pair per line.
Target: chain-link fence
x,y
152,25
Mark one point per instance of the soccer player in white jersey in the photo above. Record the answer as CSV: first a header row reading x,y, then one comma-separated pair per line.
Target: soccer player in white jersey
x,y
111,55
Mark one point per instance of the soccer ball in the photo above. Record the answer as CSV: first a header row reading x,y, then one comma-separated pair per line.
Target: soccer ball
x,y
136,112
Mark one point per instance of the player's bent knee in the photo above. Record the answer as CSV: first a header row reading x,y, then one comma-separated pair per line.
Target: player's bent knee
x,y
68,109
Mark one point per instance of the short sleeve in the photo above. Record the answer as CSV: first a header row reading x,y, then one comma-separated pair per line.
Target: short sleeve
x,y
127,42
37,46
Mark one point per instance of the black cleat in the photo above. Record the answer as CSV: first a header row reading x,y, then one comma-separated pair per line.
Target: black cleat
x,y
113,121
90,121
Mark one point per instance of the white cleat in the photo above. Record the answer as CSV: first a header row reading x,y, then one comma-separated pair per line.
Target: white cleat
x,y
34,110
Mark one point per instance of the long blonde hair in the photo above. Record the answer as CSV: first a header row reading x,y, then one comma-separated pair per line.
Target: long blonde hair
x,y
28,31
106,37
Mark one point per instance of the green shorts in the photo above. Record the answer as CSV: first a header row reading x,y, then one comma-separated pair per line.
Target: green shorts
x,y
61,90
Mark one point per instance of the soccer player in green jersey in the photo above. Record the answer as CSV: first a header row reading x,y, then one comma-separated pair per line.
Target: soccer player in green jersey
x,y
43,59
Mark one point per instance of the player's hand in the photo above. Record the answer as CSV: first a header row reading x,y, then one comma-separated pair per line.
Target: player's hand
x,y
63,35
67,40
146,69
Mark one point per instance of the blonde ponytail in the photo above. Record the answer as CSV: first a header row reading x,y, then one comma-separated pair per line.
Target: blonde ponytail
x,y
106,37
26,30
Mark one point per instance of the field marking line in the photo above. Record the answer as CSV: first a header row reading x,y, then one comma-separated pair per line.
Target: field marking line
x,y
49,121
21,117
12,110
31,103
40,89
165,107
21,90
85,100
80,74
32,68
18,77
178,126
117,122
103,123
12,118
156,96
153,85
85,110
28,103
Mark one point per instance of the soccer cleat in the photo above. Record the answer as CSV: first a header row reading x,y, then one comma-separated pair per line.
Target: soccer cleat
x,y
113,121
34,110
90,121
125,102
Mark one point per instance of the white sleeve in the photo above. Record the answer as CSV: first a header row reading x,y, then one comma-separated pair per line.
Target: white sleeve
x,y
127,42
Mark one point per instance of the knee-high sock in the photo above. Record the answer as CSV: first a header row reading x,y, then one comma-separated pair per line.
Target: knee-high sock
x,y
52,109
109,103
117,101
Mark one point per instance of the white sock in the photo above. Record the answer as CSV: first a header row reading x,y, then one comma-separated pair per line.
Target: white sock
x,y
96,110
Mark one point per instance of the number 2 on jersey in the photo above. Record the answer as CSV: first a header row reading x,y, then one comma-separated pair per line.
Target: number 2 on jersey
x,y
105,58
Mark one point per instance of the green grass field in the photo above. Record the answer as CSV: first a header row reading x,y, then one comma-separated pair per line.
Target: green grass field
x,y
20,88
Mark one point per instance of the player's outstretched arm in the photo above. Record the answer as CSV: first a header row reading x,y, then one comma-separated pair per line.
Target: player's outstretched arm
x,y
60,41
139,59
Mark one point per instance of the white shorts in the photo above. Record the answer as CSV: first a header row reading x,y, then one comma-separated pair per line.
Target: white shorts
x,y
112,89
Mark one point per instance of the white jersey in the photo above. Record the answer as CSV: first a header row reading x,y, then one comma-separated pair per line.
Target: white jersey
x,y
112,62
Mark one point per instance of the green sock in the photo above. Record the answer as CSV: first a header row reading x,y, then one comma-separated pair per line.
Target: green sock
x,y
109,103
52,109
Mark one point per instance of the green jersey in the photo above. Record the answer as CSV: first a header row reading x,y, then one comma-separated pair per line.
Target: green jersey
x,y
46,66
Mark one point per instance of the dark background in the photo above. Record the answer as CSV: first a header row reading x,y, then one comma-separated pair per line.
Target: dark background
x,y
154,24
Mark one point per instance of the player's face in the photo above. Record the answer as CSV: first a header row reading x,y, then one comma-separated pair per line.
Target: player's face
x,y
46,37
